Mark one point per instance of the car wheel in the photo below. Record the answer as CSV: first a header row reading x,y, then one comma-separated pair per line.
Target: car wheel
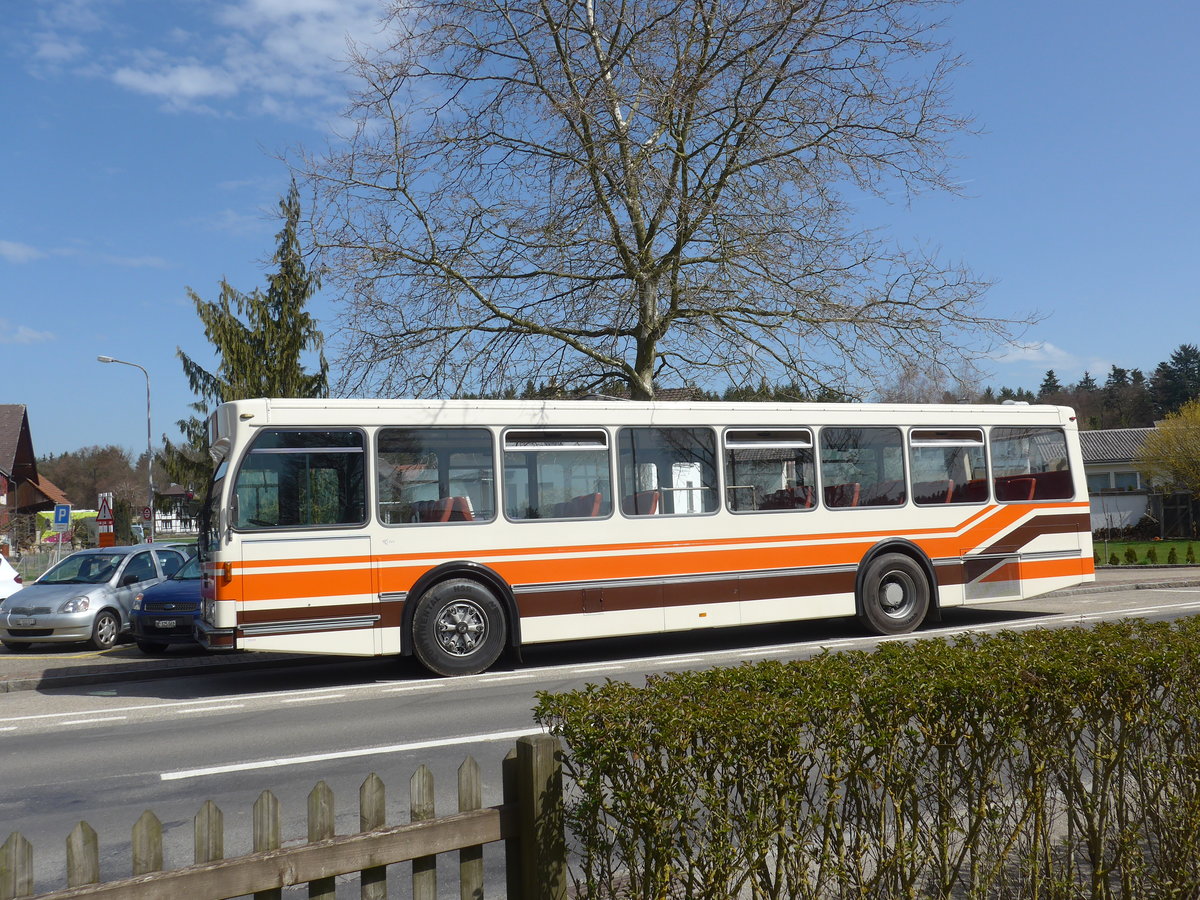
x,y
105,629
16,646
151,648
458,628
895,595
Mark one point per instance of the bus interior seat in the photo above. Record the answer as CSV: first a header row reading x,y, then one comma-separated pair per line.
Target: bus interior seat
x,y
933,491
837,495
643,503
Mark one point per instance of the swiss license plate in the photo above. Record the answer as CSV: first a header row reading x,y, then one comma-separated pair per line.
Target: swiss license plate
x,y
165,623
26,623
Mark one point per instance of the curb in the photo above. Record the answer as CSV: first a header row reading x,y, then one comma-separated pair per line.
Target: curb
x,y
138,672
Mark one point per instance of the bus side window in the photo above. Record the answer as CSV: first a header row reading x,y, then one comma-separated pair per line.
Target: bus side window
x,y
667,471
1030,464
435,475
947,466
302,478
560,473
862,467
769,469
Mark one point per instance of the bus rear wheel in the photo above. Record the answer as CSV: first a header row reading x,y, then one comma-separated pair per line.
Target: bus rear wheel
x,y
458,628
895,595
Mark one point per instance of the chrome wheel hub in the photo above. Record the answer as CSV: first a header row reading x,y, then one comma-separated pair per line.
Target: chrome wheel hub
x,y
461,628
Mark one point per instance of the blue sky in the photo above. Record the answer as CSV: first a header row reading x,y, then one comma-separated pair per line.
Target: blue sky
x,y
141,156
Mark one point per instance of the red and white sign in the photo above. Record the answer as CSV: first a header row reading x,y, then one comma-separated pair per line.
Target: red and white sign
x,y
146,513
104,516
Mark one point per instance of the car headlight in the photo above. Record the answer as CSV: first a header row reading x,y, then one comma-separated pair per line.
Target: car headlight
x,y
74,605
137,601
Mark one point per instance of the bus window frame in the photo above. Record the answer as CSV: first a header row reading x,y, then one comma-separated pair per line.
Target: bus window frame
x,y
961,441
236,471
376,516
799,443
559,447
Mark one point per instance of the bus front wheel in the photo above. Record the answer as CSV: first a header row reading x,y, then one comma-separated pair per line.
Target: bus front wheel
x,y
458,628
895,595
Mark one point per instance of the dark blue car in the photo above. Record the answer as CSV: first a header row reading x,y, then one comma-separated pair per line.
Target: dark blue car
x,y
163,614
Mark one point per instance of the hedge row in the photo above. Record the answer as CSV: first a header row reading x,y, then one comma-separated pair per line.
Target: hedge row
x,y
1045,764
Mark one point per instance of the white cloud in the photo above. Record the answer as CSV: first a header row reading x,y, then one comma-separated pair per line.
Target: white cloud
x,y
180,84
1035,352
281,58
21,334
15,252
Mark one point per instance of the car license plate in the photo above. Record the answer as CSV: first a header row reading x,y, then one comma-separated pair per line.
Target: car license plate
x,y
26,623
165,623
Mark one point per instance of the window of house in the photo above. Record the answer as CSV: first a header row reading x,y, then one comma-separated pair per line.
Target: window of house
x,y
1126,481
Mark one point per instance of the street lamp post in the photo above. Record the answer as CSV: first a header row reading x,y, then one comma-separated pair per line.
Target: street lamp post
x,y
149,444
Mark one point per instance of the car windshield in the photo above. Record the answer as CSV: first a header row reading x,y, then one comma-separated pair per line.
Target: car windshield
x,y
189,571
83,568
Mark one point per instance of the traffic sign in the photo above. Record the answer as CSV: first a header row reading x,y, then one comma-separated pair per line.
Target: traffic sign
x,y
104,516
146,513
62,517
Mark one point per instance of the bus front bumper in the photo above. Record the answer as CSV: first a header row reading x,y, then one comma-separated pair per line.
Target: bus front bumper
x,y
214,638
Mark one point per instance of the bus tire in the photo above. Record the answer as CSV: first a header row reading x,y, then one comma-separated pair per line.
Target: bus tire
x,y
895,595
458,628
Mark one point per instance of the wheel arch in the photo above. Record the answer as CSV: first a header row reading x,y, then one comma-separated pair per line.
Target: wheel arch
x,y
485,575
909,549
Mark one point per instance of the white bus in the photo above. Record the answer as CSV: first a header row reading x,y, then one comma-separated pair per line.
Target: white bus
x,y
456,530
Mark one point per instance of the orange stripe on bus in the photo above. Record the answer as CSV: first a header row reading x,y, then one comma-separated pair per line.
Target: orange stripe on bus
x,y
701,559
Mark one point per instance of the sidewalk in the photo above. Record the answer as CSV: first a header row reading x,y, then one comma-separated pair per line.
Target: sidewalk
x,y
49,666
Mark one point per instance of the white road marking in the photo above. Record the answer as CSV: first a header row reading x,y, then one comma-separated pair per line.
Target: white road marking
x,y
345,754
93,720
312,698
224,708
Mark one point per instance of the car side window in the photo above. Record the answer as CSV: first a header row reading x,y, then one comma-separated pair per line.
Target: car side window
x,y
170,562
141,566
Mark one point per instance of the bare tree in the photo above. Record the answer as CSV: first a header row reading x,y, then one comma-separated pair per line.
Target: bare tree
x,y
642,190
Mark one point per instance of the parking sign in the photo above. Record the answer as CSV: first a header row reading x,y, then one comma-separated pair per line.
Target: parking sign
x,y
62,517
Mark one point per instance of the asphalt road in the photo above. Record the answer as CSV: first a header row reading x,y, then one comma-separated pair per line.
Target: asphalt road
x,y
103,748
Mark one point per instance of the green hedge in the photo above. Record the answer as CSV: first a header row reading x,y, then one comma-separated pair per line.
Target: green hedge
x,y
1045,764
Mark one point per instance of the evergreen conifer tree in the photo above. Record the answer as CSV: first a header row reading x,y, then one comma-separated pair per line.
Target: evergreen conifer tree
x,y
258,338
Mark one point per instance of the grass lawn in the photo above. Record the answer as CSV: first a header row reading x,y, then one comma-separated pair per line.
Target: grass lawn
x,y
1147,552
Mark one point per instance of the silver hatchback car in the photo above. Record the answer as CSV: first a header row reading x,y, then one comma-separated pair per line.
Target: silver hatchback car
x,y
85,597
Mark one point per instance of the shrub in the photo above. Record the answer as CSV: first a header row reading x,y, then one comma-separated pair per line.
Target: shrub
x,y
1046,763
1172,557
1113,560
1191,556
1152,556
1131,556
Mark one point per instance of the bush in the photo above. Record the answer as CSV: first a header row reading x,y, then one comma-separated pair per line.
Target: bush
x,y
1172,557
1048,763
1152,556
1191,556
1113,560
1131,556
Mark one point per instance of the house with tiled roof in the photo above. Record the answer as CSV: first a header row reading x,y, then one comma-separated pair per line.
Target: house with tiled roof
x,y
22,489
1117,495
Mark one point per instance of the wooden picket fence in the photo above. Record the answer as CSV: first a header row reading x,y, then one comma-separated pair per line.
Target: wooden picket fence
x,y
529,821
